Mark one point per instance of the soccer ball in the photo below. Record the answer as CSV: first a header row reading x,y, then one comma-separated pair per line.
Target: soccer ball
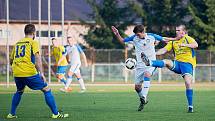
x,y
130,63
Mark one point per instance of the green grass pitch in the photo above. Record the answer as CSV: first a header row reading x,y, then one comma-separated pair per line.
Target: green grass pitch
x,y
114,103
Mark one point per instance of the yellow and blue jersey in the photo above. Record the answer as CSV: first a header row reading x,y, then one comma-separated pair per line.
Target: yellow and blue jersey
x,y
58,53
23,56
183,54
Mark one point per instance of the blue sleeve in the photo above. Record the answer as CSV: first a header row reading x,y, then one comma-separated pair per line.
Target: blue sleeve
x,y
127,39
80,50
157,37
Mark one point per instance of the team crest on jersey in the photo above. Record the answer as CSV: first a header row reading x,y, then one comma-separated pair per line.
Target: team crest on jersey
x,y
147,41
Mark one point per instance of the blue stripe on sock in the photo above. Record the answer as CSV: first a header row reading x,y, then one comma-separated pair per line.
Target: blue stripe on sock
x,y
146,79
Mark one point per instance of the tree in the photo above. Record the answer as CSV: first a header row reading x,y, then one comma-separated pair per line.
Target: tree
x,y
198,15
107,13
203,22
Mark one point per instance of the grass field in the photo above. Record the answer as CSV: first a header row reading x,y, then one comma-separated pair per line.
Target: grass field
x,y
167,102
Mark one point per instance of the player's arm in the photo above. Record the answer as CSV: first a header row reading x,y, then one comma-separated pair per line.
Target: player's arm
x,y
157,37
161,51
67,58
38,60
194,44
82,55
116,33
12,55
164,50
118,36
64,53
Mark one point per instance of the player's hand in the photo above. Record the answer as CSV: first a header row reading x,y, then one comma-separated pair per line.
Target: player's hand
x,y
115,30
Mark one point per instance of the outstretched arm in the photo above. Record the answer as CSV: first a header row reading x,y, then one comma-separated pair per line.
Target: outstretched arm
x,y
161,51
116,33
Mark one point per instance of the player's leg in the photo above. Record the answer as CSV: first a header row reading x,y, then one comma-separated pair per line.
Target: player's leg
x,y
80,80
146,84
73,69
61,74
62,78
69,78
157,63
36,83
50,101
20,84
139,76
187,71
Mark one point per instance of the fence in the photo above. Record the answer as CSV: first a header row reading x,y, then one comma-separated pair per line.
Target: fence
x,y
107,66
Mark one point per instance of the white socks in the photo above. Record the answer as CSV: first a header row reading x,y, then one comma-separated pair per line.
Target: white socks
x,y
81,82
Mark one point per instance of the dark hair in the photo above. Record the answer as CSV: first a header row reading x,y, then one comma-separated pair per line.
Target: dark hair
x,y
139,28
53,38
29,29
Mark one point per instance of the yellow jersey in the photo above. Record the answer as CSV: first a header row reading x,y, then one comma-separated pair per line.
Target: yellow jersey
x,y
183,54
58,53
23,56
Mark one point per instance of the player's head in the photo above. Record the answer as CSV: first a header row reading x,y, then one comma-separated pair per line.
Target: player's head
x,y
180,30
55,42
30,30
139,30
71,41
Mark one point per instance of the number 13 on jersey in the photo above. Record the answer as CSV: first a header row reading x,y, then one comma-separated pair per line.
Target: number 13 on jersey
x,y
20,51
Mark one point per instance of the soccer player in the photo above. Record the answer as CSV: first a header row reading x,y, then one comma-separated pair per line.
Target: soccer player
x,y
185,60
27,70
61,64
143,42
75,53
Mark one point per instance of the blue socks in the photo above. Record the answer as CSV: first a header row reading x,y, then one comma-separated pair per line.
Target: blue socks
x,y
63,81
15,102
157,63
189,94
50,101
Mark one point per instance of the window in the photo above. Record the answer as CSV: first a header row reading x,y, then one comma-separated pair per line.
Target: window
x,y
1,33
52,33
59,33
45,33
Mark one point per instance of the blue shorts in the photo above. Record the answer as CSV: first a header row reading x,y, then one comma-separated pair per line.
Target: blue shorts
x,y
34,82
182,68
61,69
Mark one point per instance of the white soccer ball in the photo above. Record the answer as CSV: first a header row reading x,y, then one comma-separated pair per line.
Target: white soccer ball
x,y
130,63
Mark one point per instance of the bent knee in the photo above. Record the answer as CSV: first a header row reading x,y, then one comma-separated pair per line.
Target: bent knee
x,y
20,91
46,89
138,88
70,73
168,63
60,76
147,74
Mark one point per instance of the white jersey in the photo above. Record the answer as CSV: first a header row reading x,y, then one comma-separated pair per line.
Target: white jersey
x,y
146,45
74,54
